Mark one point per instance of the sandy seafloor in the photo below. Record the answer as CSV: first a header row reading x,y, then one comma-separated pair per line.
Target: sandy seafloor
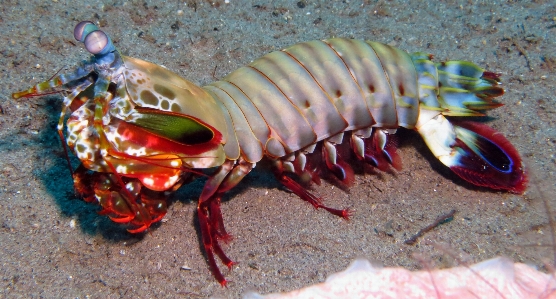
x,y
55,246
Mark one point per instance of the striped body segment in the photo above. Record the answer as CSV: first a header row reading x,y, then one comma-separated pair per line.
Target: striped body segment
x,y
290,99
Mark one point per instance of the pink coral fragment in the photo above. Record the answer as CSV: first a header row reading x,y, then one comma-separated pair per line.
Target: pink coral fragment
x,y
494,278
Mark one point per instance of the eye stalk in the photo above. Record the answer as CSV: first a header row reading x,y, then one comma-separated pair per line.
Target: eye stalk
x,y
94,39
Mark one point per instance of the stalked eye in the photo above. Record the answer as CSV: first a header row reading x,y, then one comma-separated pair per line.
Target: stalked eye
x,y
83,29
98,43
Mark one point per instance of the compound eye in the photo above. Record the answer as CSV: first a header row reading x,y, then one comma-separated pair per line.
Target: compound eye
x,y
83,29
97,42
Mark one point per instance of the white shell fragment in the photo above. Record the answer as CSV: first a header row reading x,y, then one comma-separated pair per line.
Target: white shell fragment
x,y
494,278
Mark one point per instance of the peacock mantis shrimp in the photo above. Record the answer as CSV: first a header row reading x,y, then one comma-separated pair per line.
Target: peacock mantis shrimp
x,y
141,131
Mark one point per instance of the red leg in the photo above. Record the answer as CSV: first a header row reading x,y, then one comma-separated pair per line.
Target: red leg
x,y
336,164
202,212
210,215
380,150
390,152
218,232
307,196
217,222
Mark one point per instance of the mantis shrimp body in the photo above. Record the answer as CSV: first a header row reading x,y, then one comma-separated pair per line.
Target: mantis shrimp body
x,y
141,131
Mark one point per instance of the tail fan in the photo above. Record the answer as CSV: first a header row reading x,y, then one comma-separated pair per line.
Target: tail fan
x,y
484,157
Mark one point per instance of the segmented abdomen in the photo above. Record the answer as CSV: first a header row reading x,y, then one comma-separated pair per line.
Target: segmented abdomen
x,y
290,99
